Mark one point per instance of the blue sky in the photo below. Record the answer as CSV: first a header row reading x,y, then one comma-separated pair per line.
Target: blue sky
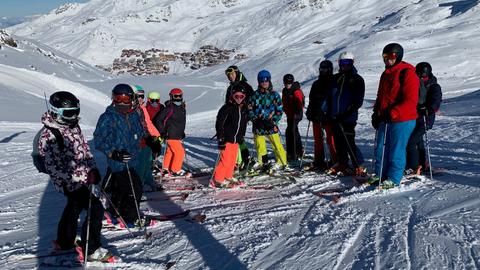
x,y
20,8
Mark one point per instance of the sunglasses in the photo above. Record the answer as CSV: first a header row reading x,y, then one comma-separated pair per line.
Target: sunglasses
x,y
140,96
67,113
228,71
345,62
154,100
389,56
126,99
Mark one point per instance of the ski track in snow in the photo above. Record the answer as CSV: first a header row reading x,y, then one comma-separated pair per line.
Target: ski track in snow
x,y
427,225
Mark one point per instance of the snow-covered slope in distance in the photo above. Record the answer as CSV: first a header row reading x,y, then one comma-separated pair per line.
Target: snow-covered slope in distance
x,y
282,36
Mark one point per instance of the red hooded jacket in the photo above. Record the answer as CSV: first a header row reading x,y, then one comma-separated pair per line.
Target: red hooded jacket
x,y
292,100
398,98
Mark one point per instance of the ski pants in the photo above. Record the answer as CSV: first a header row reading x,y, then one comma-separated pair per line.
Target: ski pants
x,y
174,155
344,136
144,168
416,148
293,138
77,201
397,135
318,137
277,147
226,163
120,188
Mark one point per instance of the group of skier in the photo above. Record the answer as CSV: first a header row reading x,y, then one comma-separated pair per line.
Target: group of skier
x,y
131,133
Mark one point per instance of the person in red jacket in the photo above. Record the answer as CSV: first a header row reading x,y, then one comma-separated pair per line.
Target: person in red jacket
x,y
394,115
292,100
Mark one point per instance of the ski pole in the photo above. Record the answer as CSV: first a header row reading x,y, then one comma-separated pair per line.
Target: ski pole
x,y
136,202
305,145
428,146
325,145
118,213
383,156
374,149
353,154
88,229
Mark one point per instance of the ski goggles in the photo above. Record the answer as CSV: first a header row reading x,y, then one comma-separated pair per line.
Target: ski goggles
x,y
140,96
66,113
345,62
125,99
177,96
239,96
389,56
154,100
229,71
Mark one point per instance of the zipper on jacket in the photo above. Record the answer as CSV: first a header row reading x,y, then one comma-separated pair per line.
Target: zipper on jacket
x,y
238,125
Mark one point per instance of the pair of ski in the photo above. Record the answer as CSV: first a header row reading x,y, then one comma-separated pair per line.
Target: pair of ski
x,y
335,194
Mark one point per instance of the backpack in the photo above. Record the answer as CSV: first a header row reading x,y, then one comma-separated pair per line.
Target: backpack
x,y
422,90
38,160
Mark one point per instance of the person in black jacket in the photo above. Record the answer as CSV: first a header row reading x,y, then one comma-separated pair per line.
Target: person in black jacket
x,y
170,122
345,102
231,126
317,110
235,76
416,160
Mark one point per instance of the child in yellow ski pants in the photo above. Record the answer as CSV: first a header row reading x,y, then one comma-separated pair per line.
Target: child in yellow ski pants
x,y
277,147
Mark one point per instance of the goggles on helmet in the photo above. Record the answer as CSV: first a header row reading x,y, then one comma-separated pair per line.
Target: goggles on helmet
x,y
390,56
154,100
125,99
345,62
177,96
229,71
66,113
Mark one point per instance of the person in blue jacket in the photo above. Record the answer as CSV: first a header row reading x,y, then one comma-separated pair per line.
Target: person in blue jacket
x,y
345,101
118,135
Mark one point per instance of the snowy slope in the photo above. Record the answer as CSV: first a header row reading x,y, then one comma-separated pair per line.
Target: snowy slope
x,y
283,36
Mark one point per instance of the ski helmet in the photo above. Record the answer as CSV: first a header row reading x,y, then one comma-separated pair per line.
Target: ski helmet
x,y
346,58
264,76
326,67
393,51
423,68
154,96
64,107
288,79
231,69
123,94
238,93
138,90
176,94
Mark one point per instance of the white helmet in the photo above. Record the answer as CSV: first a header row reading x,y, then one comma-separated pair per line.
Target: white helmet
x,y
346,55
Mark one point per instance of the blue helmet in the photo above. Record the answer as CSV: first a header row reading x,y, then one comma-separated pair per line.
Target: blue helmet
x,y
264,76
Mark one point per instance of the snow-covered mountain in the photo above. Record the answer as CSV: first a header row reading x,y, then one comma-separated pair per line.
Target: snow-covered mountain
x,y
283,36
29,70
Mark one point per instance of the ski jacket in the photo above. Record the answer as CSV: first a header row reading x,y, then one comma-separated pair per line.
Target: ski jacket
x,y
231,123
242,81
432,103
265,111
171,121
347,97
152,130
153,110
318,98
292,100
117,131
67,166
397,100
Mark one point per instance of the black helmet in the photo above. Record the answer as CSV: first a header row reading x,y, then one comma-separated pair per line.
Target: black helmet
x,y
231,69
288,79
237,88
64,107
394,48
123,89
326,66
423,68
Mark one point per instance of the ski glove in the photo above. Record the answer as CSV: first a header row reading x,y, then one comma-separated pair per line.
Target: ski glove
x,y
93,177
122,155
222,144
